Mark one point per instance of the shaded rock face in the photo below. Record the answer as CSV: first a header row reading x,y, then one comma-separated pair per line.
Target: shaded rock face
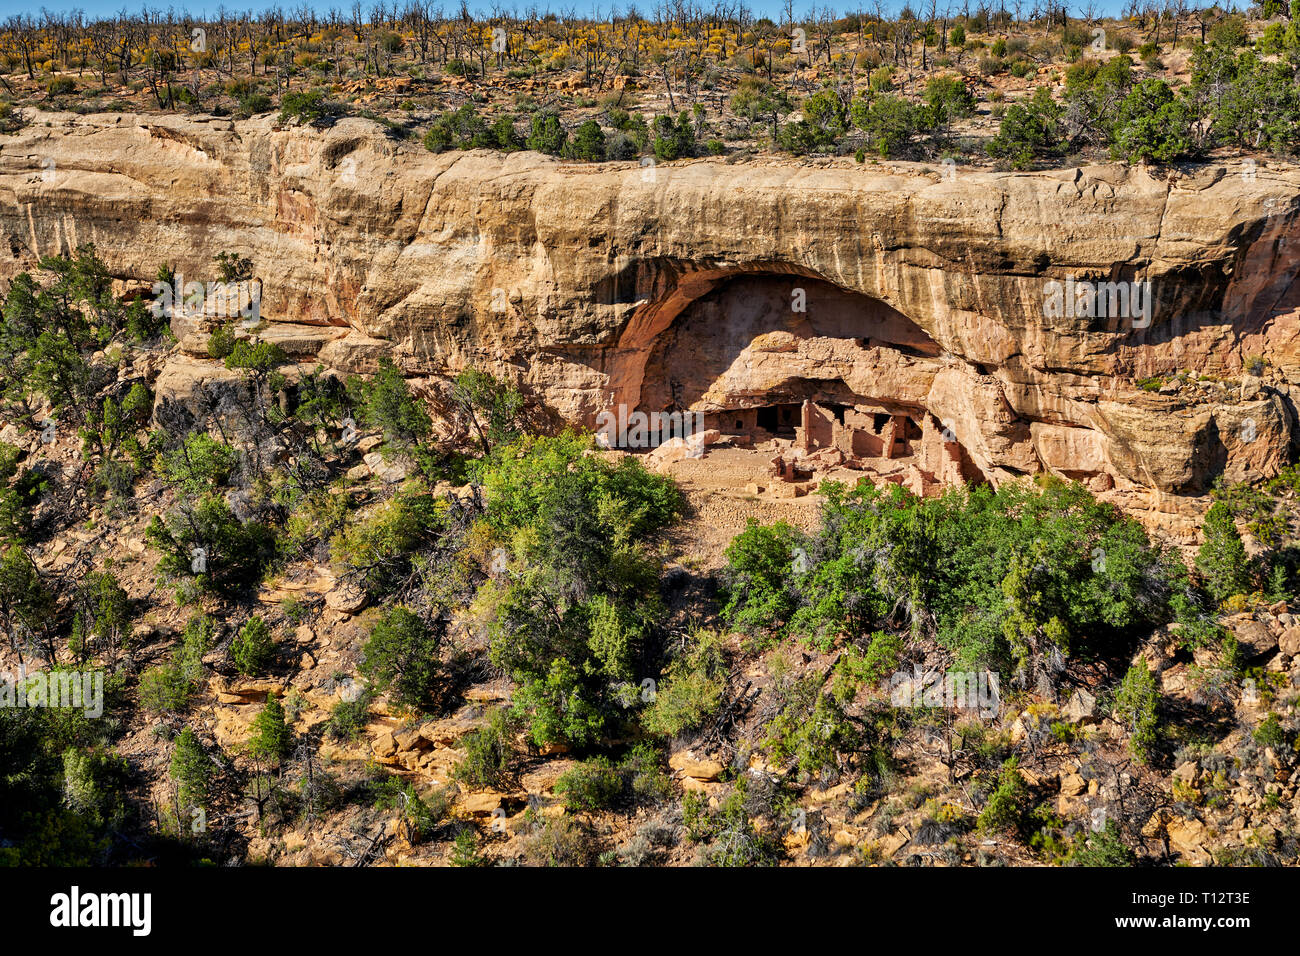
x,y
676,287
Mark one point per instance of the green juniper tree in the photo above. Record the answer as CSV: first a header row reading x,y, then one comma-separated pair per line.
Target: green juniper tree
x,y
253,647
402,657
1222,562
191,772
271,738
1135,707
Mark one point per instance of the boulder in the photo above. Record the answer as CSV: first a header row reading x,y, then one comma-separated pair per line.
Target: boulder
x,y
1188,838
1082,706
195,386
1072,785
408,740
346,598
688,765
1255,639
891,843
392,470
487,803
676,449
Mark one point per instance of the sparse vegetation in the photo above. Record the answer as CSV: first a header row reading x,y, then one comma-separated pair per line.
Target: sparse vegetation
x,y
357,619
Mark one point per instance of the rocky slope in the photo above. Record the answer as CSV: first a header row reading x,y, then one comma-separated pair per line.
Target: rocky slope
x,y
574,278
595,285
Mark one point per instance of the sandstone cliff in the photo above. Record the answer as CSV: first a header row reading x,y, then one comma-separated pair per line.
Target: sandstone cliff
x,y
656,287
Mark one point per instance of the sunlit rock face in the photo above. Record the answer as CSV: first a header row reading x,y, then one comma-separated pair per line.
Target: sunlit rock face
x,y
1013,315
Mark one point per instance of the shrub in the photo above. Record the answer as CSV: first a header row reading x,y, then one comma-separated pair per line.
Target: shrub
x,y
271,738
306,106
523,487
588,142
191,771
419,816
315,519
260,358
51,329
171,686
253,647
1153,125
94,784
506,136
387,404
1270,733
1029,131
110,434
18,495
561,841
881,79
380,548
401,657
812,731
691,689
889,121
1104,848
546,134
233,267
600,784
349,717
824,121
211,545
41,824
946,98
729,831
594,784
646,781
757,578
857,667
621,146
958,566
1004,811
1135,707
489,752
254,103
487,406
460,129
569,625
102,621
221,342
1221,561
26,603
1229,32
465,851
198,464
673,140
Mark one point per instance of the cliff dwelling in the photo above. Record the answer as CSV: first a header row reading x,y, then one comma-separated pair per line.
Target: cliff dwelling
x,y
812,380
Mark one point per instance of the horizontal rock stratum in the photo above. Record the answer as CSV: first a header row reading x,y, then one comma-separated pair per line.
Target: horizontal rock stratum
x,y
674,286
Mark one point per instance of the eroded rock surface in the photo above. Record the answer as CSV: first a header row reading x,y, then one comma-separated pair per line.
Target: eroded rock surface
x,y
728,289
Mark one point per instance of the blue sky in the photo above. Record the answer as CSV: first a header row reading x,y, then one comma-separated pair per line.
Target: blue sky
x,y
106,7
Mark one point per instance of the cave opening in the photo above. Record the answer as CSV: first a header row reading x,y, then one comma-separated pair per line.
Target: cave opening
x,y
781,419
839,383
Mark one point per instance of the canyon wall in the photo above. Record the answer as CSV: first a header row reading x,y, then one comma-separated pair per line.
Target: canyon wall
x,y
713,285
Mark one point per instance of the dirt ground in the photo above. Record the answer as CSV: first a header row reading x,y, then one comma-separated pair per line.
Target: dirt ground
x,y
719,490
